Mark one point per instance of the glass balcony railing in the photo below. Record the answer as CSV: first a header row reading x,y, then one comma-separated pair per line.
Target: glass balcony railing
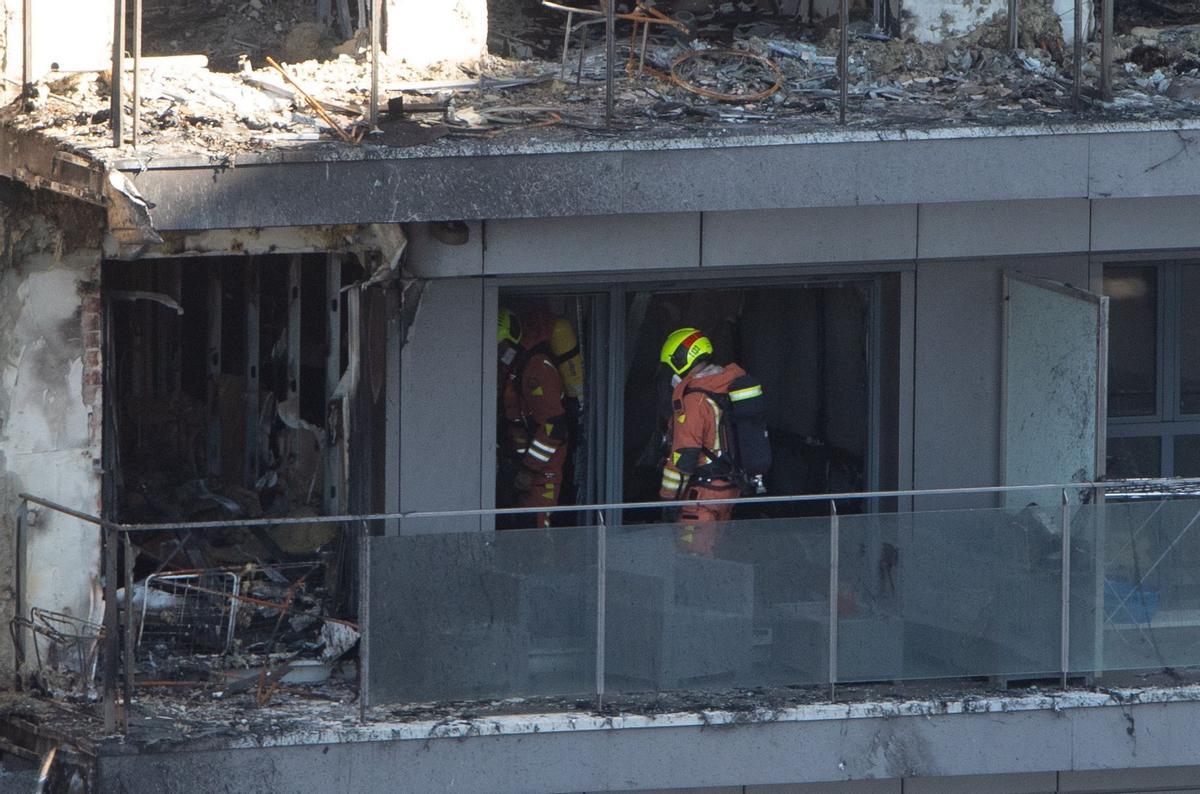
x,y
1057,584
901,596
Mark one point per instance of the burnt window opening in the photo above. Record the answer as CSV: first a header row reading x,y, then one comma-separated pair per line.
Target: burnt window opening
x,y
222,379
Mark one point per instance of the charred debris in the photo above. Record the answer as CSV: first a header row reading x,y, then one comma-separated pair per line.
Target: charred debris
x,y
693,66
229,383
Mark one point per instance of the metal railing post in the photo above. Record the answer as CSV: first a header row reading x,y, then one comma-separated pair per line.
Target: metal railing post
x,y
364,619
1077,86
562,70
137,71
128,627
27,47
19,585
610,49
1065,603
1106,52
834,541
112,645
376,13
1100,566
1014,16
601,607
116,104
843,59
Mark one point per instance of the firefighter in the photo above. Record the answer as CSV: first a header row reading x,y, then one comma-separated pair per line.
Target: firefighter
x,y
695,468
534,437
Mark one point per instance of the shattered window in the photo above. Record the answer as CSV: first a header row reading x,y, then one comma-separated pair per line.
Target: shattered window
x,y
222,406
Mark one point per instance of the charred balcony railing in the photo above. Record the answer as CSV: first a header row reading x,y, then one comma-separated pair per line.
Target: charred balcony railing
x,y
607,13
1057,581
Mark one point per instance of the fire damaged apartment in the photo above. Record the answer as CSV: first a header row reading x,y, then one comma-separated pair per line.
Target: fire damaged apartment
x,y
758,396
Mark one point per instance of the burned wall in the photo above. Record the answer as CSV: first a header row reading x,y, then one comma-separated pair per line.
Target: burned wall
x,y
50,397
66,35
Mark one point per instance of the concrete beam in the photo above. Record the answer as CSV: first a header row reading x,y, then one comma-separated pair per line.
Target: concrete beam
x,y
782,751
589,178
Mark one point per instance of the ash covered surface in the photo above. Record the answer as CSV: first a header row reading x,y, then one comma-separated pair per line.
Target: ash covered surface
x,y
171,718
526,100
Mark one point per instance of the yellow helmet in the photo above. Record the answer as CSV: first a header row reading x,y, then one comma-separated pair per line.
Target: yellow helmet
x,y
683,348
509,329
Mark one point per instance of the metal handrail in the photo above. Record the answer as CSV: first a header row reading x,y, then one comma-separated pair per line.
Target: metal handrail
x,y
356,518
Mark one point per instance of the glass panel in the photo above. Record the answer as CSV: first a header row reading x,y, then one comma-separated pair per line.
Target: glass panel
x,y
482,615
1189,339
1187,456
1052,344
949,593
1134,457
1143,591
755,613
1132,340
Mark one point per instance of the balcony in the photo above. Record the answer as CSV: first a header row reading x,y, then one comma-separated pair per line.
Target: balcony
x,y
1064,601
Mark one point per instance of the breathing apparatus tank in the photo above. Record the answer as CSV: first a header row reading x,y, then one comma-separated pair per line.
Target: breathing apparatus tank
x,y
569,358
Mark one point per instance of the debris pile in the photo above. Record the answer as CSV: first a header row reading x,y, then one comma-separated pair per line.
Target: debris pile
x,y
728,66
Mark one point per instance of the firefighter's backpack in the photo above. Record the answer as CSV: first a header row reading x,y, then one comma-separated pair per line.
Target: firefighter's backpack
x,y
744,431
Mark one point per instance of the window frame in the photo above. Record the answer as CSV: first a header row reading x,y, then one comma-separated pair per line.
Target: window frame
x,y
1168,422
615,292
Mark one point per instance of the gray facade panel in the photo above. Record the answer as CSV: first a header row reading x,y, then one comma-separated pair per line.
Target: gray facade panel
x,y
1149,223
847,787
429,257
1129,164
1127,781
564,245
825,234
842,174
999,228
1030,783
957,365
769,753
956,436
532,184
1164,737
441,399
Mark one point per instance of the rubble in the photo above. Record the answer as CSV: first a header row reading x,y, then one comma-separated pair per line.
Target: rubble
x,y
775,73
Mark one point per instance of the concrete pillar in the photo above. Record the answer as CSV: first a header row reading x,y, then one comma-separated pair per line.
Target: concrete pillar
x,y
66,35
50,400
421,32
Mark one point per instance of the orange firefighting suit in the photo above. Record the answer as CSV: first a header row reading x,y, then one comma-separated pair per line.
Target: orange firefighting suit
x,y
694,433
532,403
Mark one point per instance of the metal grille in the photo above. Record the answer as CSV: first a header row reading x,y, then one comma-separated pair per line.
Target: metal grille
x,y
63,644
189,613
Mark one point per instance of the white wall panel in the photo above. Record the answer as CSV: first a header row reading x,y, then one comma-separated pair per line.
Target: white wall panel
x,y
429,257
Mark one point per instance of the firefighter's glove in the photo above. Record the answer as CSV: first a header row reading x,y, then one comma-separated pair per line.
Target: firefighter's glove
x,y
523,481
